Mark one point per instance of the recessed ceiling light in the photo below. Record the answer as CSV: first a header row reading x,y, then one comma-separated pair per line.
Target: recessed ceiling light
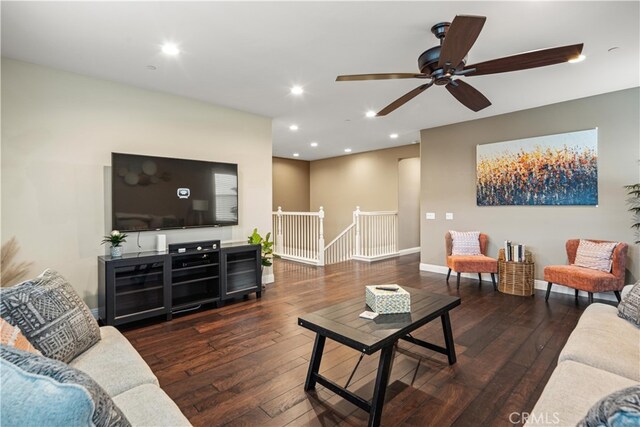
x,y
393,136
297,90
314,144
370,113
579,58
293,127
296,154
347,150
170,49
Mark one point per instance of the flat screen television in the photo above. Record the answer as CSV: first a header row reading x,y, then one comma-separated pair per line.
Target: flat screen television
x,y
155,193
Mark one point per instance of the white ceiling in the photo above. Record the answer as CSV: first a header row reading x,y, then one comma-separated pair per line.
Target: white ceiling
x,y
247,55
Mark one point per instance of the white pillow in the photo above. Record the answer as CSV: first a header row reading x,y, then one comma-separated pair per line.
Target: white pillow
x,y
465,242
597,256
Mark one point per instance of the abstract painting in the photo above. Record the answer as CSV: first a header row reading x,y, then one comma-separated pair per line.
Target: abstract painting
x,y
557,169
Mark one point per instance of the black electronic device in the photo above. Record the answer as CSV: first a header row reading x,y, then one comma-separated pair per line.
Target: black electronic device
x,y
191,247
155,193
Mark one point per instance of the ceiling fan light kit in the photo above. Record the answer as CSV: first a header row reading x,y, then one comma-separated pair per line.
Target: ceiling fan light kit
x,y
444,64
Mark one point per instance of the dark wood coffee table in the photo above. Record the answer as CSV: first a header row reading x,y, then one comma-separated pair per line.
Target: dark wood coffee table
x,y
341,323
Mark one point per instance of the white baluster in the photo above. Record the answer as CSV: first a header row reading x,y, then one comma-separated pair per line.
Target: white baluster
x,y
321,237
279,231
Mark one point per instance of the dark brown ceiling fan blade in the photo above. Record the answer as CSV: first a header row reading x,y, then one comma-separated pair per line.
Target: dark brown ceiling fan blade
x,y
385,76
526,60
462,34
469,96
404,99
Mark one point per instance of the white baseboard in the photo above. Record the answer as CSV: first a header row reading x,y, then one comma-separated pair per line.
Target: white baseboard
x,y
375,258
537,284
408,251
298,259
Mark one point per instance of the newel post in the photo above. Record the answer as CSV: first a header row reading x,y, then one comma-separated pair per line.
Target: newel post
x,y
279,232
356,219
321,237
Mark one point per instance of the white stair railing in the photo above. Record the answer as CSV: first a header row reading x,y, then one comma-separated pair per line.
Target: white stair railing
x,y
376,235
299,236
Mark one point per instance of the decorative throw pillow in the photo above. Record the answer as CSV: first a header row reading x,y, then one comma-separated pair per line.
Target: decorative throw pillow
x,y
597,256
465,242
11,336
51,315
629,308
619,409
105,412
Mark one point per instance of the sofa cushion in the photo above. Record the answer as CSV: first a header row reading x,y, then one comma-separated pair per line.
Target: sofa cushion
x,y
465,242
584,279
37,400
104,411
603,340
472,264
572,389
148,405
596,255
620,408
12,336
51,315
629,308
114,363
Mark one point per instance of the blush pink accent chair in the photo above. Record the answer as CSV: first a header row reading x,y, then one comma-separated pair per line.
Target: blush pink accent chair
x,y
587,279
471,263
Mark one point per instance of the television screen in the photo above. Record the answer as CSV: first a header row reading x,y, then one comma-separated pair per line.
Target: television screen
x,y
153,193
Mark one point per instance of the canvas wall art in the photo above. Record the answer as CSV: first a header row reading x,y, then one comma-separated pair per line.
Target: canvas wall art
x,y
557,169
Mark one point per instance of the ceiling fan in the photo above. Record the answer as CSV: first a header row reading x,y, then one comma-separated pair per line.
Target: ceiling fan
x,y
442,63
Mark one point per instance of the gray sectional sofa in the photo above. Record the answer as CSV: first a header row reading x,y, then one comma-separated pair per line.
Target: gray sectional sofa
x,y
602,355
116,366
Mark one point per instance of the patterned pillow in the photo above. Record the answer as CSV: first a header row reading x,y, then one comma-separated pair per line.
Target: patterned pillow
x,y
11,336
619,409
629,308
106,413
465,242
597,256
51,316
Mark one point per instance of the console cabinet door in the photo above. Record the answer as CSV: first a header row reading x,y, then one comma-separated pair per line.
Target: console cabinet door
x,y
132,289
242,271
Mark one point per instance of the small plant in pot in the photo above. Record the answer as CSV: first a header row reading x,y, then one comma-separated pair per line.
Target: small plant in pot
x,y
634,192
267,247
116,239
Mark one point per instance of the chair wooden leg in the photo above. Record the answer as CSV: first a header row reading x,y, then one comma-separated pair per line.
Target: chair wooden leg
x,y
618,295
480,278
576,295
448,274
493,280
546,297
590,297
458,282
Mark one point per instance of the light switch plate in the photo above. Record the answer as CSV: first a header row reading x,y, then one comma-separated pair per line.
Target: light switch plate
x,y
449,215
431,215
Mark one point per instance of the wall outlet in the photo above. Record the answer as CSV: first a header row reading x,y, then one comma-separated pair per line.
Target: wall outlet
x,y
448,215
431,215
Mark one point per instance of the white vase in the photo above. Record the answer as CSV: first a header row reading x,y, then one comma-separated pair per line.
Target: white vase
x,y
116,251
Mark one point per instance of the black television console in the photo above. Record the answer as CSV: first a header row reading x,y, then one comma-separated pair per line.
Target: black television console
x,y
147,284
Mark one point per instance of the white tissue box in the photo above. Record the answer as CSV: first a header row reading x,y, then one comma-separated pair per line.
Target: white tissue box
x,y
388,302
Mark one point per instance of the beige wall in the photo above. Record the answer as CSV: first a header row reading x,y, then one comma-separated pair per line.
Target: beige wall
x,y
58,132
368,180
291,185
409,203
448,180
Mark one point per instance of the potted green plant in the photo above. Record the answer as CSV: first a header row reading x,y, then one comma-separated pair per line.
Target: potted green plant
x,y
116,239
633,190
267,247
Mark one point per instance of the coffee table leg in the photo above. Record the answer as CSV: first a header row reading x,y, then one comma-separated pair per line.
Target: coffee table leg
x,y
448,338
314,363
380,388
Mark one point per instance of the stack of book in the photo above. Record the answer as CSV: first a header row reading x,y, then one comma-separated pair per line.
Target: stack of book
x,y
513,252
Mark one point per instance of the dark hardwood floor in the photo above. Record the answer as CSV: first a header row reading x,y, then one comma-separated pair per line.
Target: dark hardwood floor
x,y
245,363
